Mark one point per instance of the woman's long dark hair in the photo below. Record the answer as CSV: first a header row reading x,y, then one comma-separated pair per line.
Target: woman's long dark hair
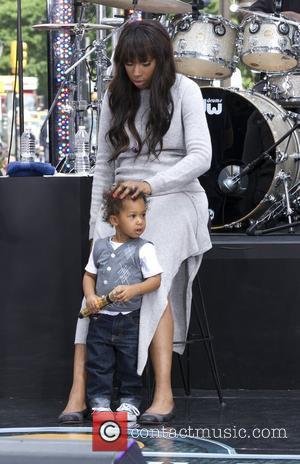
x,y
142,40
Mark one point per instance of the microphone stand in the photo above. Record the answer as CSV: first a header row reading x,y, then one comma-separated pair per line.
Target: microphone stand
x,y
257,161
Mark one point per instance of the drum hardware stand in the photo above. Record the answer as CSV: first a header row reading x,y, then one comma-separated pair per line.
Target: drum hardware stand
x,y
268,15
271,90
78,103
198,5
102,60
101,64
277,7
284,178
195,10
276,211
284,205
98,47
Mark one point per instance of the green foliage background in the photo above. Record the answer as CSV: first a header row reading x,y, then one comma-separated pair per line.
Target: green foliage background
x,y
33,12
213,8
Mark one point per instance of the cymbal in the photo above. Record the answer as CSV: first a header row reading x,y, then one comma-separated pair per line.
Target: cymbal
x,y
71,26
151,6
273,17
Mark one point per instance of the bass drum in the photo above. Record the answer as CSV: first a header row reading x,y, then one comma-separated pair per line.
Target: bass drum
x,y
242,126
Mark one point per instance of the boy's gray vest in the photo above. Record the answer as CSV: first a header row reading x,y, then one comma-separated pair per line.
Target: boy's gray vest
x,y
118,267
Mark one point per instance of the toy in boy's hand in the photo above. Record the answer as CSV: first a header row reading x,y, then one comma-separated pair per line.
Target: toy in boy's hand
x,y
104,300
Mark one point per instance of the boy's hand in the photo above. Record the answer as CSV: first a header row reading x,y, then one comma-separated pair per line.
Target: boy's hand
x,y
124,293
93,303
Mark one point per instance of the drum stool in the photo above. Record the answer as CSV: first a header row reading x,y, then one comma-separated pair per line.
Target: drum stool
x,y
204,336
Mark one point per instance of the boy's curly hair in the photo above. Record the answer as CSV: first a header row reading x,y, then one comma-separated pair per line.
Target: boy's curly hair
x,y
112,206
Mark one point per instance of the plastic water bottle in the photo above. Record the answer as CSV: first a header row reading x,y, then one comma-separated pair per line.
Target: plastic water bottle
x,y
82,151
27,146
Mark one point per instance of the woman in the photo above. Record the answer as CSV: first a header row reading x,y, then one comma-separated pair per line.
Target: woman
x,y
153,139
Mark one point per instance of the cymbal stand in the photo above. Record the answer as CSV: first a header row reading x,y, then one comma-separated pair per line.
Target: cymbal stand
x,y
99,46
80,103
102,61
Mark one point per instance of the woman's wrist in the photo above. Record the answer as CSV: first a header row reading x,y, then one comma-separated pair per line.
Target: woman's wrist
x,y
149,192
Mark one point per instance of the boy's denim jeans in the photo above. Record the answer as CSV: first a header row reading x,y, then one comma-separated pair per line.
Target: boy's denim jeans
x,y
112,346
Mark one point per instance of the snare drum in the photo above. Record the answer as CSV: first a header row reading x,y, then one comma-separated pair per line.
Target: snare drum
x,y
285,89
205,47
269,45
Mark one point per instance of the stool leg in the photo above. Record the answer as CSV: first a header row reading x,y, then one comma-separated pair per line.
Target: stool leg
x,y
206,334
186,378
148,382
188,368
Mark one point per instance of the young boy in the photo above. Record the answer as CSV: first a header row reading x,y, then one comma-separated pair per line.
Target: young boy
x,y
128,265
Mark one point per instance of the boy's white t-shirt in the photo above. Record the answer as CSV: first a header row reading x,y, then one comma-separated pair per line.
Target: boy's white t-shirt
x,y
149,265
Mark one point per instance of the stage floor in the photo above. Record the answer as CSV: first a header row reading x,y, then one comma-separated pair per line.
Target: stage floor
x,y
261,425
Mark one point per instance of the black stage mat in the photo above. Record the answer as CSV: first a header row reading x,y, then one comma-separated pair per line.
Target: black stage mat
x,y
251,422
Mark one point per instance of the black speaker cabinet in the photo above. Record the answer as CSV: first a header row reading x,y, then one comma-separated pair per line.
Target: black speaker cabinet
x,y
251,291
43,249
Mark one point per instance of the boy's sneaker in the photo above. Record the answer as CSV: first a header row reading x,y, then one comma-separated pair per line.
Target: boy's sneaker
x,y
132,411
101,409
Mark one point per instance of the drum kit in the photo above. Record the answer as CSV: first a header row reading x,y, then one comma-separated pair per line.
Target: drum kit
x,y
254,180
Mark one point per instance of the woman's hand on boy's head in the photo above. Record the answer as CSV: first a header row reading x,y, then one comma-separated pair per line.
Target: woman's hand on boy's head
x,y
132,188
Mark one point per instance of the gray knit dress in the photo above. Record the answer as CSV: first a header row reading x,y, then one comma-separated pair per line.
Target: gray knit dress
x,y
178,211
